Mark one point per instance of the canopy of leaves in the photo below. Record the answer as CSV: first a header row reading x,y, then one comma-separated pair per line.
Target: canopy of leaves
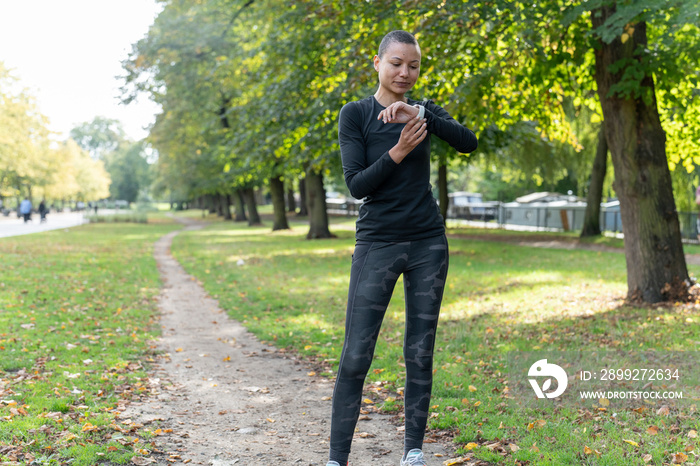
x,y
253,88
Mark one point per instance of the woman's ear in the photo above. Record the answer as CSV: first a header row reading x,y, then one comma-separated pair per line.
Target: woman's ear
x,y
376,63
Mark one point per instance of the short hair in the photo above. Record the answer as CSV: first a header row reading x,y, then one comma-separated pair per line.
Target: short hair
x,y
396,36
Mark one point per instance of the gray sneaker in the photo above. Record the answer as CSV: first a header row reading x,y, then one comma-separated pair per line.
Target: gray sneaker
x,y
414,458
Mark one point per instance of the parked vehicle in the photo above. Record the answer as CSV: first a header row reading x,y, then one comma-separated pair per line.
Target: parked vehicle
x,y
471,206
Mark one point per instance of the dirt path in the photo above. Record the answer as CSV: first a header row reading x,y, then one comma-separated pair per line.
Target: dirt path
x,y
231,400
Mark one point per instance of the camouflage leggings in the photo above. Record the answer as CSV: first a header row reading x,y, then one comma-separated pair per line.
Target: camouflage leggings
x,y
376,266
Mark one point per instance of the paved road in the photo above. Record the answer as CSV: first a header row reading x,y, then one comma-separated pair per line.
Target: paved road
x,y
13,226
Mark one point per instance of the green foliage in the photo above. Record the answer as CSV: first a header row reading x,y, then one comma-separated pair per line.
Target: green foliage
x,y
129,170
130,217
124,160
99,137
252,89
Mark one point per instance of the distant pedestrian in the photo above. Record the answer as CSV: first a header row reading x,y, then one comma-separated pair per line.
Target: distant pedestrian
x,y
43,210
25,209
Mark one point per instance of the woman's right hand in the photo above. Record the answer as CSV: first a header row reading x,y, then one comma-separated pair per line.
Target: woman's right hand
x,y
411,135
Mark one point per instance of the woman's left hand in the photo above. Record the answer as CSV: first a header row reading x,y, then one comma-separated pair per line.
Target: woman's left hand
x,y
398,112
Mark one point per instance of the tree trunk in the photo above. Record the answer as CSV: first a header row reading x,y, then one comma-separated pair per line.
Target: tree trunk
x,y
239,206
316,199
291,202
249,199
591,218
226,204
303,209
656,268
442,192
278,207
219,201
211,205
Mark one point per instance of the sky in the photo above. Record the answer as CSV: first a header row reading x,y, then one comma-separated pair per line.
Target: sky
x,y
68,54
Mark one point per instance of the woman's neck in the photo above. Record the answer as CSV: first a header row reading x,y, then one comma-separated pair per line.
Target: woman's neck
x,y
386,98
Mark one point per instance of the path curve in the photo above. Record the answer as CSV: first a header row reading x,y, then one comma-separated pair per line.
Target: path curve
x,y
260,407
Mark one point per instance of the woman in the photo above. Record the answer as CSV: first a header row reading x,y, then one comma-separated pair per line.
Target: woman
x,y
385,151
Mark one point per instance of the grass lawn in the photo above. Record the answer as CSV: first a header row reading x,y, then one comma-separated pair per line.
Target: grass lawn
x,y
501,298
77,322
76,329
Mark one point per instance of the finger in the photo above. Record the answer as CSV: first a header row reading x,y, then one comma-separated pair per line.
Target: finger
x,y
423,133
420,132
416,125
413,123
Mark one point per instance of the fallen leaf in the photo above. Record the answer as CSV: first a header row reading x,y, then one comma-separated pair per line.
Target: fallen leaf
x,y
653,430
693,434
88,427
471,446
472,388
679,458
647,458
604,402
587,450
142,461
631,442
455,461
663,411
513,447
493,446
537,424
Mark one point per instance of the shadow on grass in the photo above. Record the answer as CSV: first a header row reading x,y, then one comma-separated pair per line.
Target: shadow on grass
x,y
500,298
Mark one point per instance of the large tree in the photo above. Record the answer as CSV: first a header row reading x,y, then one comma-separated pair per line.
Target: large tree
x,y
532,58
637,142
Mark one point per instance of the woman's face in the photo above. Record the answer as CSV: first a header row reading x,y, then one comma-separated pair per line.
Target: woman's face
x,y
399,68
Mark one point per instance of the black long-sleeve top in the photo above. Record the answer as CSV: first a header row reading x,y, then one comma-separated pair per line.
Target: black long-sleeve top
x,y
398,202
